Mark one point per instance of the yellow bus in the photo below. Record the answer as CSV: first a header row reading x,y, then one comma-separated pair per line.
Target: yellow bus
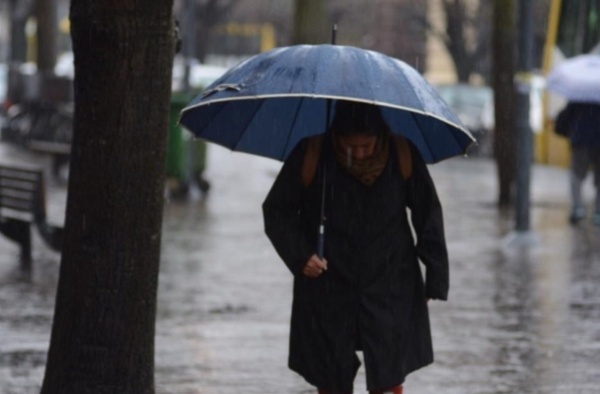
x,y
573,29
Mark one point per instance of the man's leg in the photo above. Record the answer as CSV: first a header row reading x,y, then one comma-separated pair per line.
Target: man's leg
x,y
595,157
579,167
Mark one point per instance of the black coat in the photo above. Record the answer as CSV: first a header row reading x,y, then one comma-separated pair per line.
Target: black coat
x,y
372,297
581,123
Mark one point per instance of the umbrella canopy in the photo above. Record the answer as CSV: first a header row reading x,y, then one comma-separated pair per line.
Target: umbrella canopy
x,y
577,79
270,102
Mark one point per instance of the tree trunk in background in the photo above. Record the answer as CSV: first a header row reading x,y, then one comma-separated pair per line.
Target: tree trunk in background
x,y
19,12
209,14
311,22
457,23
503,71
46,35
104,323
465,31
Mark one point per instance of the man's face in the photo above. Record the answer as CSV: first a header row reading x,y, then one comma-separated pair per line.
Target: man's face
x,y
359,146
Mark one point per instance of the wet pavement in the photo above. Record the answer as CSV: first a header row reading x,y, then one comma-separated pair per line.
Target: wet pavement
x,y
523,317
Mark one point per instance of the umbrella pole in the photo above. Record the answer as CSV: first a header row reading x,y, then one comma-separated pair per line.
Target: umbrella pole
x,y
321,240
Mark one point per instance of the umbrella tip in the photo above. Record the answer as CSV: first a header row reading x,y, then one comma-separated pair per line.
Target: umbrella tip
x,y
334,33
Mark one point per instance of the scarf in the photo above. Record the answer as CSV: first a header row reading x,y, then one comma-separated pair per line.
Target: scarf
x,y
365,170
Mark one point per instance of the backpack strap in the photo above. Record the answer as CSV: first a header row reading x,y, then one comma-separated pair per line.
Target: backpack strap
x,y
404,156
313,153
311,158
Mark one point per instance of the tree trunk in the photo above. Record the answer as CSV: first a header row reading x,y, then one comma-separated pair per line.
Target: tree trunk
x,y
209,14
310,22
19,11
47,33
103,331
503,71
465,37
456,42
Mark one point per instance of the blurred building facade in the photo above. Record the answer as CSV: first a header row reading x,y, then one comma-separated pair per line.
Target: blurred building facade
x,y
398,28
394,27
411,30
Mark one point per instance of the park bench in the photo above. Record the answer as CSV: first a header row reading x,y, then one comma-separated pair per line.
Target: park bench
x,y
23,204
59,151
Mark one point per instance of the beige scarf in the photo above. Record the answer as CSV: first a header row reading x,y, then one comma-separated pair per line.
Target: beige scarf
x,y
365,170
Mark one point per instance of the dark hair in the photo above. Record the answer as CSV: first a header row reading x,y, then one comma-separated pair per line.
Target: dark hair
x,y
352,117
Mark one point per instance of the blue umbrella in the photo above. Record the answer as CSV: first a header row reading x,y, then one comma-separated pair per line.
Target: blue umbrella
x,y
270,102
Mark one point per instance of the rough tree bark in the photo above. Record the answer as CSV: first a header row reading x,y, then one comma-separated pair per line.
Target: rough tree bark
x,y
47,32
503,71
104,323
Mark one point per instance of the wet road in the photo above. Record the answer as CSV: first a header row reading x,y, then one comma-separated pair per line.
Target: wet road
x,y
521,319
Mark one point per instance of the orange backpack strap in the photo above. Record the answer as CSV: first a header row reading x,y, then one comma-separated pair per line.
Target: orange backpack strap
x,y
404,156
311,159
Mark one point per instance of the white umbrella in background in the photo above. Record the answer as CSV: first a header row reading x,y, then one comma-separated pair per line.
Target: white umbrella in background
x,y
577,79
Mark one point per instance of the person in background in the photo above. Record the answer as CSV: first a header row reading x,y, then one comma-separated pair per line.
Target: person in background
x,y
580,122
366,292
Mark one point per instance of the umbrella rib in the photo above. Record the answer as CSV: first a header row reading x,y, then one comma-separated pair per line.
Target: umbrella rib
x,y
250,118
429,148
212,119
458,143
325,96
287,142
416,119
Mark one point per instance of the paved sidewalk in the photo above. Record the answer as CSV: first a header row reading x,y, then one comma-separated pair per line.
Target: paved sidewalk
x,y
520,319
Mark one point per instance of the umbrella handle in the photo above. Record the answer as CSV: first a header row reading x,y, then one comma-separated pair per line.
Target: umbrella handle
x,y
321,241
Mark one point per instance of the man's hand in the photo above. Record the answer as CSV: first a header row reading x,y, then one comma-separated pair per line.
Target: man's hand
x,y
314,267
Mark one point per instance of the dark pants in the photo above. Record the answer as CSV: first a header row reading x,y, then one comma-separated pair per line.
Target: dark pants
x,y
582,158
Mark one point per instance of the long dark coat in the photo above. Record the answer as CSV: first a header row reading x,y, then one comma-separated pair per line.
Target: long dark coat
x,y
372,297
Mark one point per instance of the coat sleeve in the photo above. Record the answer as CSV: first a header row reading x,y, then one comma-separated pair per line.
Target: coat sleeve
x,y
282,214
428,223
